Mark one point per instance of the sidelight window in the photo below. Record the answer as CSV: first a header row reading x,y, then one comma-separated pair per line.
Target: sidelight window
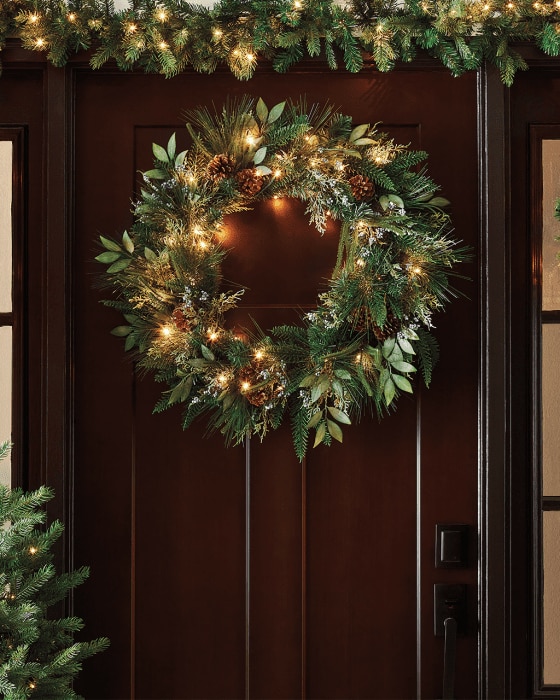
x,y
547,407
6,303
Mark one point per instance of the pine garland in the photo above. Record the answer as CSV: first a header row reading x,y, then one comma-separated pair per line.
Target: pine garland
x,y
168,36
38,655
359,347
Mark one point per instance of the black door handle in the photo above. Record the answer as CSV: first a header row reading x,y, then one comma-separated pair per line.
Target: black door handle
x,y
449,650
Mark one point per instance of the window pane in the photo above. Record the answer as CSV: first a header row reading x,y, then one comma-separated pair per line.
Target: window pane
x,y
550,409
5,397
551,603
551,226
5,225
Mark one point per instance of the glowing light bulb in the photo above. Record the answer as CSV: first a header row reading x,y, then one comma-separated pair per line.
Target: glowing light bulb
x,y
202,245
510,6
297,4
31,685
163,45
72,17
166,331
34,19
32,550
222,379
277,174
245,386
259,354
131,28
236,52
358,357
217,33
416,270
250,140
360,262
162,15
39,42
197,230
250,57
212,335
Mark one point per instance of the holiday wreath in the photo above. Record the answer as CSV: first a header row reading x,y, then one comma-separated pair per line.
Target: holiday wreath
x,y
369,333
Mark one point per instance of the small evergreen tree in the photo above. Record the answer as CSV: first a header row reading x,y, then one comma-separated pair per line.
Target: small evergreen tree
x,y
38,655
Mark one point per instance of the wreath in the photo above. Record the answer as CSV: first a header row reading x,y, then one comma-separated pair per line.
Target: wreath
x,y
369,333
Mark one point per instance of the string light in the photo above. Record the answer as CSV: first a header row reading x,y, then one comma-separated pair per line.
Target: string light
x,y
131,28
297,4
72,17
222,379
277,174
166,331
40,42
202,245
217,33
212,335
245,386
250,57
250,140
360,262
32,685
161,15
259,354
163,45
34,19
358,358
32,550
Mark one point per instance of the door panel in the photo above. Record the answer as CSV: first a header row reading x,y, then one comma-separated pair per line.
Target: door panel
x,y
231,573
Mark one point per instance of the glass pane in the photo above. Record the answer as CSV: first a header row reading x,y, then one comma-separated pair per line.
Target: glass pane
x,y
550,409
5,397
551,602
551,225
5,225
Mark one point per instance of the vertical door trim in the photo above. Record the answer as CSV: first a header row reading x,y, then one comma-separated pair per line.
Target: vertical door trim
x,y
494,383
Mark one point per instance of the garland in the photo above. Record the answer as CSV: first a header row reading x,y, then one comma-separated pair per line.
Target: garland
x,y
369,333
168,36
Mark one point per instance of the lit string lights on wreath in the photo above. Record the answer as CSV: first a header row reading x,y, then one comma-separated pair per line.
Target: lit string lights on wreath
x,y
369,333
168,36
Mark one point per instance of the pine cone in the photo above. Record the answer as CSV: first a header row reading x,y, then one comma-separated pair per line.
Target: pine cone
x,y
363,322
251,376
181,322
391,327
362,187
220,167
249,181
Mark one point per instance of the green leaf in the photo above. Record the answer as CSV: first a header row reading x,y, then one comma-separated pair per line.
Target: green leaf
x,y
338,388
389,391
316,392
357,132
263,170
260,155
342,374
403,366
334,430
406,346
403,383
160,153
439,202
396,200
320,434
121,331
262,110
207,353
149,254
108,256
276,112
384,202
118,266
180,159
109,244
156,174
388,347
363,142
127,243
315,418
375,354
130,342
308,381
339,415
171,146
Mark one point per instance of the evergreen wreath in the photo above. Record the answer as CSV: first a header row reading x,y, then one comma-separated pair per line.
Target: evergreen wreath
x,y
369,333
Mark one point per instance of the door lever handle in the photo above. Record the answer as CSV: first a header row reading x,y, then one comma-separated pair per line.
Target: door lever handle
x,y
449,651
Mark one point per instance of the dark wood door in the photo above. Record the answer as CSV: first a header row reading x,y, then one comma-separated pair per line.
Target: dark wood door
x,y
231,573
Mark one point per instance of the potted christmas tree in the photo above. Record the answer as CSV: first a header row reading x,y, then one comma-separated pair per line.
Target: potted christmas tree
x,y
38,654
